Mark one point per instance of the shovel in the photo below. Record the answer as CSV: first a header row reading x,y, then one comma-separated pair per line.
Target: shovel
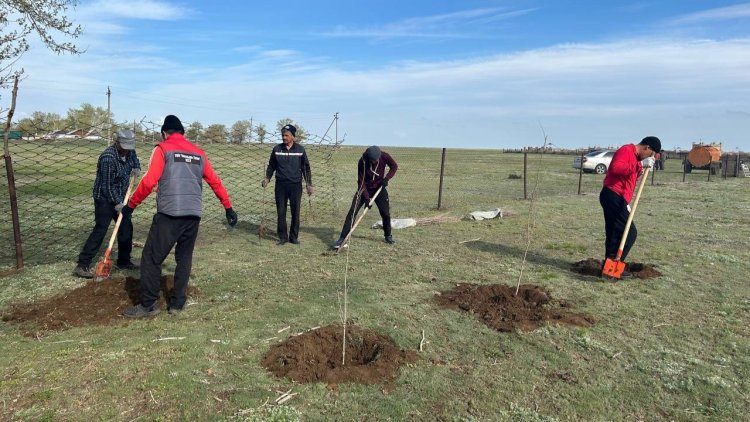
x,y
104,266
372,201
614,267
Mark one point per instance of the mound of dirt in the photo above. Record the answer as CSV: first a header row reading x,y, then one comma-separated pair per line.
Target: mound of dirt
x,y
593,266
315,356
91,304
499,307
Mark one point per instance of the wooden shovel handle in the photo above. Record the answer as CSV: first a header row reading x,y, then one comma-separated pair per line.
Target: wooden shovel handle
x,y
632,213
119,217
372,200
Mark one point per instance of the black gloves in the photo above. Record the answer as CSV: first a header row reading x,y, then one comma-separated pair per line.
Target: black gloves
x,y
126,211
231,217
384,183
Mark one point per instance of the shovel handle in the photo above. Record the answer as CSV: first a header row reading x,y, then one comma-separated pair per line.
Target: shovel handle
x,y
119,217
372,200
632,214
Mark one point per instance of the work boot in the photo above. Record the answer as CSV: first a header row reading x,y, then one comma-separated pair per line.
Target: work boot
x,y
140,311
83,271
281,242
294,241
128,266
174,311
338,244
389,240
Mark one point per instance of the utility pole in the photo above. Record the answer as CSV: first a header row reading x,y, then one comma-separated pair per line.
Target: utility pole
x,y
109,114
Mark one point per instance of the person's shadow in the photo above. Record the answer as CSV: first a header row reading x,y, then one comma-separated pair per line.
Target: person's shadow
x,y
536,258
325,234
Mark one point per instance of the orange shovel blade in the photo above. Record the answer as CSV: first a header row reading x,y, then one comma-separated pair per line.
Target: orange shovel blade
x,y
613,268
103,268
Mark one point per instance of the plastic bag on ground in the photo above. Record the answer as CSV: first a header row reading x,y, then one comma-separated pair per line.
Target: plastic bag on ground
x,y
485,215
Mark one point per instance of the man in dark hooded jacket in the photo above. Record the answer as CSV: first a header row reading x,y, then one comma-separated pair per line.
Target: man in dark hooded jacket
x,y
371,176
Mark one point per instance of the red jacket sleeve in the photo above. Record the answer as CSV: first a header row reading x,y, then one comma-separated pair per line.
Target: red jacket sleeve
x,y
213,180
150,179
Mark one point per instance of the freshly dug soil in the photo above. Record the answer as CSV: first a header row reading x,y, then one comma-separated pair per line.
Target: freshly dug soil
x,y
91,304
315,356
592,267
499,307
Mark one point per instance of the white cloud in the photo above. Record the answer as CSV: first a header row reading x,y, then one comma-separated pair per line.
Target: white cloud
x,y
462,24
133,9
737,11
278,53
679,90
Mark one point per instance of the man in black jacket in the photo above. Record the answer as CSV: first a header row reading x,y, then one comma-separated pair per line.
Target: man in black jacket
x,y
289,162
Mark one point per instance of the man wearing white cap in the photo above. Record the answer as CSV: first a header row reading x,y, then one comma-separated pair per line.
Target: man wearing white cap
x,y
116,163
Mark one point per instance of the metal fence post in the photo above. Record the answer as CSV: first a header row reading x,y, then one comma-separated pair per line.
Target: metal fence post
x,y
737,165
580,174
525,173
684,168
440,189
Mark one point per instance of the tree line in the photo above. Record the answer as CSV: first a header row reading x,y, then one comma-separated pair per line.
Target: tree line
x,y
92,118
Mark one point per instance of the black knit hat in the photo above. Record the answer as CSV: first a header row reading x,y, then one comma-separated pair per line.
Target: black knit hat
x,y
373,153
172,123
290,128
653,142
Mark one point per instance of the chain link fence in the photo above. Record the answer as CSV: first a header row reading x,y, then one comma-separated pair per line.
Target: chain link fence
x,y
54,178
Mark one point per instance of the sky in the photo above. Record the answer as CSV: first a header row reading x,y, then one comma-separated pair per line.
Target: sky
x,y
428,73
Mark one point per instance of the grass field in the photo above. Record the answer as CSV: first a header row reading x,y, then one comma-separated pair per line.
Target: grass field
x,y
672,348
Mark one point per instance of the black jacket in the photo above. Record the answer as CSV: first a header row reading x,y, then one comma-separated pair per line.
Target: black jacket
x,y
291,166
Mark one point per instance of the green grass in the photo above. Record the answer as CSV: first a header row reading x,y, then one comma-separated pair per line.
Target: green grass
x,y
672,348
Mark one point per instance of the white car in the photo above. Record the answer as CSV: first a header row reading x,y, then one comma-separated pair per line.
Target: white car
x,y
595,161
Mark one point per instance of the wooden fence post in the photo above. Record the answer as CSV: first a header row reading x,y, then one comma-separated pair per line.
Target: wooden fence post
x,y
440,189
12,179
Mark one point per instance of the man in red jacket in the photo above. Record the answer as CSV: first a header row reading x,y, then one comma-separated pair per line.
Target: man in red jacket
x,y
178,168
371,175
619,183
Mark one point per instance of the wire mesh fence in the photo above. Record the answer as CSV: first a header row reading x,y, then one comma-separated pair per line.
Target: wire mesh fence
x,y
54,176
54,179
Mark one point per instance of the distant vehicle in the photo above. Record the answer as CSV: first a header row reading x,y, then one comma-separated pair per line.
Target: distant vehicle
x,y
704,157
595,161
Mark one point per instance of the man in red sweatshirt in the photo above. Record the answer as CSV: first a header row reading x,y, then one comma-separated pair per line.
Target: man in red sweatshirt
x,y
371,175
619,183
177,167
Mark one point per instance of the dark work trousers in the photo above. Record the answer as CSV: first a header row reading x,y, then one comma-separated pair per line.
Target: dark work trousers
x,y
104,213
384,206
615,216
291,192
165,232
